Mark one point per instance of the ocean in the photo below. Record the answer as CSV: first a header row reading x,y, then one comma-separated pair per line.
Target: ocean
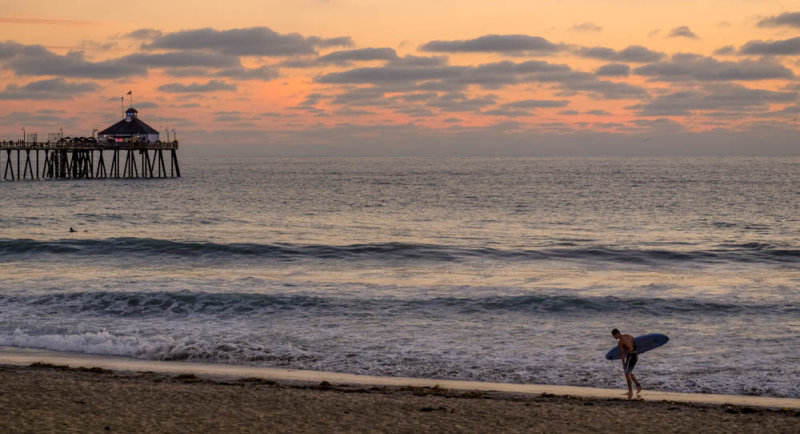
x,y
489,269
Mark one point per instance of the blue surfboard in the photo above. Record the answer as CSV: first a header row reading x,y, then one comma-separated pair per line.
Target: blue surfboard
x,y
643,343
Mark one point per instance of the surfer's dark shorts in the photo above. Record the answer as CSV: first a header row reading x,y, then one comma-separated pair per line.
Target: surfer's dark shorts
x,y
630,362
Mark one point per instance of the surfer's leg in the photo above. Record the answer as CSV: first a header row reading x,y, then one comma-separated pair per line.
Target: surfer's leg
x,y
632,359
628,380
638,385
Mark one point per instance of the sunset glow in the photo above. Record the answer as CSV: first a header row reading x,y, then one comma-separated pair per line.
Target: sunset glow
x,y
318,77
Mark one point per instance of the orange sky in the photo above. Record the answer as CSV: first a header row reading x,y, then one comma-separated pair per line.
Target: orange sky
x,y
530,76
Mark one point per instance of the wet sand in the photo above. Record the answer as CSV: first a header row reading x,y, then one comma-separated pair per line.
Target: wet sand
x,y
56,398
24,356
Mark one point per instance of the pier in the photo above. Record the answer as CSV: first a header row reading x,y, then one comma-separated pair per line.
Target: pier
x,y
87,158
134,151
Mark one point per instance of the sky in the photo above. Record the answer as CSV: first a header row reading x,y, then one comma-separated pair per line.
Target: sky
x,y
427,78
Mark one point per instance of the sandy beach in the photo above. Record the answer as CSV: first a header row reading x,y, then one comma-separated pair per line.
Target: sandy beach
x,y
56,398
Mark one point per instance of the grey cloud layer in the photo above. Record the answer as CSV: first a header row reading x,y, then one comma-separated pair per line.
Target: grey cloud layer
x,y
614,70
772,48
415,85
56,88
254,41
182,59
536,103
144,34
344,57
37,60
721,97
494,44
211,86
791,19
682,32
684,67
633,53
490,75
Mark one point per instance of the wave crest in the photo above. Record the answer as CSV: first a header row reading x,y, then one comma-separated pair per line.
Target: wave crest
x,y
150,247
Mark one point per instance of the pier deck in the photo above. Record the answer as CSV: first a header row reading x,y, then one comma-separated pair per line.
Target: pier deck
x,y
85,158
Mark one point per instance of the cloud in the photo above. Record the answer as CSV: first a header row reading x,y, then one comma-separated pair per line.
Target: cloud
x,y
719,96
585,82
97,46
614,70
598,112
56,88
790,19
369,96
353,112
772,48
490,75
144,34
37,60
536,103
211,86
683,66
228,116
509,113
498,74
586,27
253,41
388,74
524,107
364,54
633,53
341,41
345,57
38,117
682,32
788,111
459,102
264,73
725,51
181,59
507,44
417,112
422,61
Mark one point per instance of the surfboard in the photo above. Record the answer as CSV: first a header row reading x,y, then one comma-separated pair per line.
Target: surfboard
x,y
643,343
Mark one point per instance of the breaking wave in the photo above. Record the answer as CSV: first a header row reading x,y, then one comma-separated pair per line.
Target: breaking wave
x,y
150,247
186,303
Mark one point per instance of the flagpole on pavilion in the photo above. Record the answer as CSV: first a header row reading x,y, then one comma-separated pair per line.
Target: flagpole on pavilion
x,y
130,92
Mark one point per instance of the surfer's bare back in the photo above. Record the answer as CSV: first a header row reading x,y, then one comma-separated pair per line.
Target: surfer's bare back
x,y
629,356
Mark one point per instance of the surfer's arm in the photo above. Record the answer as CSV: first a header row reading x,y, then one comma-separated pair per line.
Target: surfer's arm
x,y
622,352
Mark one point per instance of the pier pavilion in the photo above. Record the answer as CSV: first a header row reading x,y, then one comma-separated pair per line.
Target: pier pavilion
x,y
130,139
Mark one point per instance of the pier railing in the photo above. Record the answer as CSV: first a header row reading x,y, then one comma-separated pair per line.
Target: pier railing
x,y
82,158
86,145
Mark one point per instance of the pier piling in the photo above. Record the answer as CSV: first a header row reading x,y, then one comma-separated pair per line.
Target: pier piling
x,y
83,159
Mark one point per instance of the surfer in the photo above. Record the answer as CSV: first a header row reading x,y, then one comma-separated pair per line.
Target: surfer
x,y
627,352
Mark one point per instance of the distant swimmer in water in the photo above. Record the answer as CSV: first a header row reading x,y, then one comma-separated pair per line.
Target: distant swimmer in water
x,y
72,230
627,352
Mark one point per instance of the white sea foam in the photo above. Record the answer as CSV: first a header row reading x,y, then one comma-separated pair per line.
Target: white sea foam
x,y
103,342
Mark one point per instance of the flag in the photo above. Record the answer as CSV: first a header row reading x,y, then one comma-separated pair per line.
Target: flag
x,y
129,92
